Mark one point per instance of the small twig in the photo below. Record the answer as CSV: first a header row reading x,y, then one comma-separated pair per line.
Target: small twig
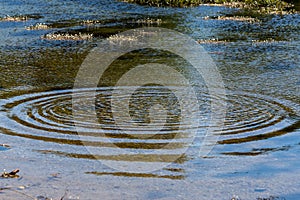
x,y
5,145
12,174
62,198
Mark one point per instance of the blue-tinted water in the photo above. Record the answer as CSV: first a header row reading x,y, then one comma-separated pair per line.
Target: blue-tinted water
x,y
256,152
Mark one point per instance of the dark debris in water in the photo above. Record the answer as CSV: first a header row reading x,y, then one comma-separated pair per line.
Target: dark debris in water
x,y
4,147
12,174
42,198
261,198
271,198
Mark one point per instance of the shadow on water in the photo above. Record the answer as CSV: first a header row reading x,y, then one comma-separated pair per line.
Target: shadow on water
x,y
139,175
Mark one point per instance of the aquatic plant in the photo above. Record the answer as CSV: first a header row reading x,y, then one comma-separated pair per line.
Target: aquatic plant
x,y
160,3
14,18
234,18
67,36
38,26
18,18
90,22
212,41
119,39
150,21
268,6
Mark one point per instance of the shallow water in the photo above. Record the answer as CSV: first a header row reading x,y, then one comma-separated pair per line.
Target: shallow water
x,y
154,156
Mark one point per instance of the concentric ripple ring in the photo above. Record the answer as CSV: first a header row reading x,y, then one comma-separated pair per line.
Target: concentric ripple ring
x,y
47,116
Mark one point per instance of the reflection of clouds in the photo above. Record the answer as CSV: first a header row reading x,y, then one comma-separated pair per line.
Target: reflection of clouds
x,y
138,175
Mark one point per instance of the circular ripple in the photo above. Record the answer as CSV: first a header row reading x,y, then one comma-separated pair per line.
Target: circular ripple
x,y
47,116
252,117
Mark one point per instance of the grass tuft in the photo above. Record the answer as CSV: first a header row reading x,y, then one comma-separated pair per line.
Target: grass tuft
x,y
264,6
67,36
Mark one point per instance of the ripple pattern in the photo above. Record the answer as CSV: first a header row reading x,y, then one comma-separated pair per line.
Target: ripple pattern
x,y
47,116
253,117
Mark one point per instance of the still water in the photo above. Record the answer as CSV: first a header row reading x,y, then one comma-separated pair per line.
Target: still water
x,y
256,152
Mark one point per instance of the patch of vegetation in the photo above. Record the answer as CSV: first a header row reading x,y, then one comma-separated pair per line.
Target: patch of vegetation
x,y
18,18
233,18
67,36
163,3
38,26
265,6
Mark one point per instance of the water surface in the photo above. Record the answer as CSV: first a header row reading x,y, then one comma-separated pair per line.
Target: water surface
x,y
256,154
